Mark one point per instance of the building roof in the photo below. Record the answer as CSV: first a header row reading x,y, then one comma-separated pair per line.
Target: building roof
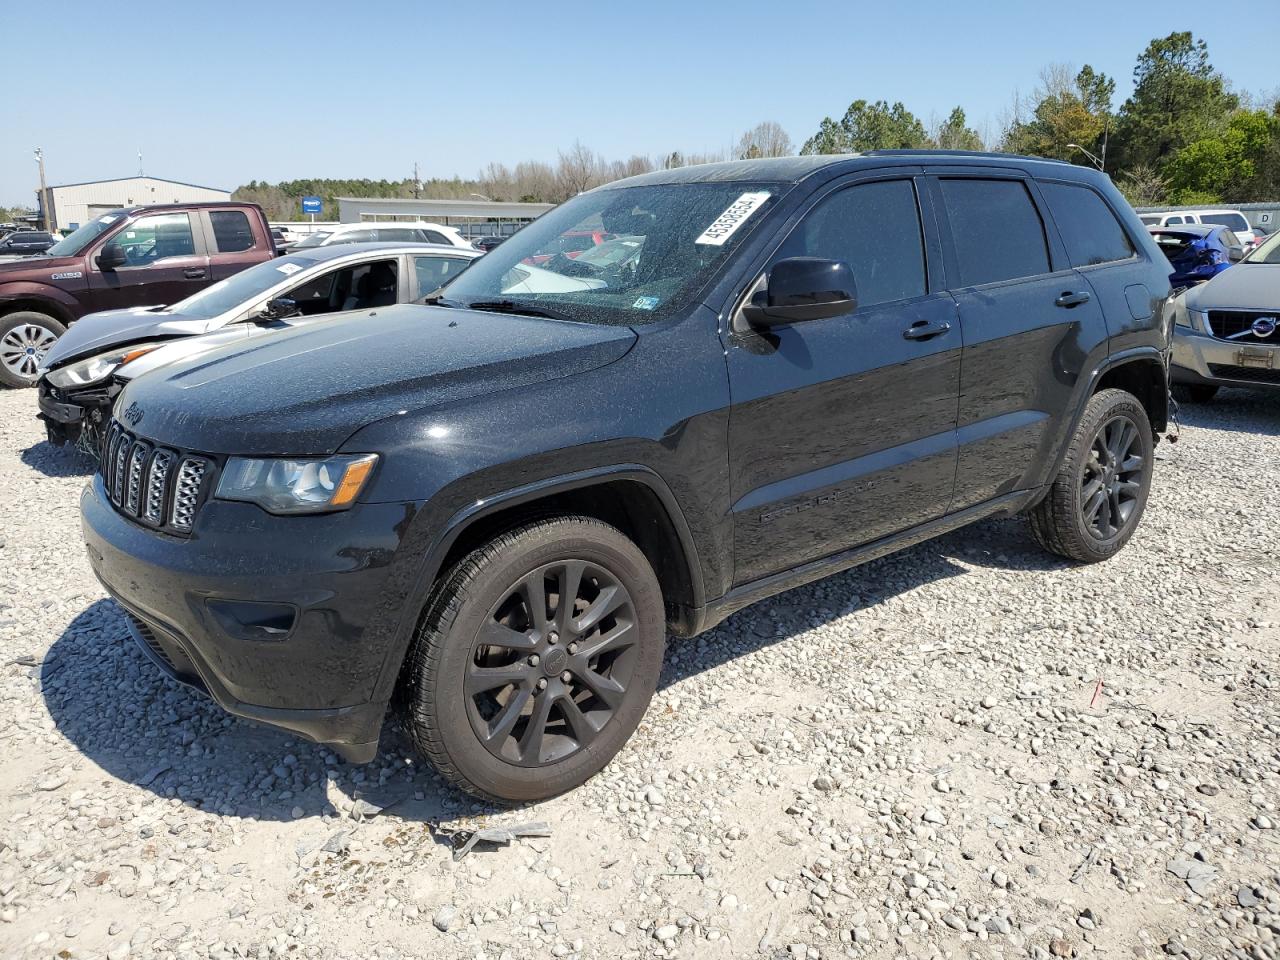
x,y
181,183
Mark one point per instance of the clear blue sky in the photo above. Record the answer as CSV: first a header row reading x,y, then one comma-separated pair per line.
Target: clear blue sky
x,y
221,93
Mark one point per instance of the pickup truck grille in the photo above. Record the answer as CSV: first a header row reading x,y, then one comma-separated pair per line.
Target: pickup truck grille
x,y
1237,325
155,486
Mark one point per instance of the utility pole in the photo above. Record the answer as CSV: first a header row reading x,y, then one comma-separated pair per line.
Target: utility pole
x,y
140,173
46,208
417,184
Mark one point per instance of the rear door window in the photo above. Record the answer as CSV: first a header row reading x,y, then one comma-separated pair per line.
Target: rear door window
x,y
433,272
1090,230
231,231
996,230
873,227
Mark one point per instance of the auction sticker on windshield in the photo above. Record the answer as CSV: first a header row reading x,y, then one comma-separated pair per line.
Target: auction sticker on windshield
x,y
735,216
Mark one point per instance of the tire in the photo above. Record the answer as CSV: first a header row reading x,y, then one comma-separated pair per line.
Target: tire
x,y
25,337
1077,526
1194,392
479,728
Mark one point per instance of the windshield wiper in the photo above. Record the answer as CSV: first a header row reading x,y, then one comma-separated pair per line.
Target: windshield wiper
x,y
512,306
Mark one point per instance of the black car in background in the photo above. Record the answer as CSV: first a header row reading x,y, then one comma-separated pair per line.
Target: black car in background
x,y
487,243
809,362
26,242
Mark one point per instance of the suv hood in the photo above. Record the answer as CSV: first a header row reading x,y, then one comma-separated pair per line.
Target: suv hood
x,y
303,391
1246,286
98,332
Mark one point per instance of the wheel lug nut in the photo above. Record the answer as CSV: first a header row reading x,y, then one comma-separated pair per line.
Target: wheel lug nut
x,y
566,676
533,660
542,683
573,648
553,637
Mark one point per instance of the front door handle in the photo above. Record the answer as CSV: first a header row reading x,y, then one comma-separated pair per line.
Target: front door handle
x,y
194,273
925,330
1071,299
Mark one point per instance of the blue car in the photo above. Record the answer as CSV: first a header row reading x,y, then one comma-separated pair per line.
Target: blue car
x,y
1197,252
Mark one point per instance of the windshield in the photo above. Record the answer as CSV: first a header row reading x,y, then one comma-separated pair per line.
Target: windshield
x,y
1267,252
313,239
662,245
240,288
76,242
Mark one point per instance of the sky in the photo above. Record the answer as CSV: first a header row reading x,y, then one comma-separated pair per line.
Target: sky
x,y
220,94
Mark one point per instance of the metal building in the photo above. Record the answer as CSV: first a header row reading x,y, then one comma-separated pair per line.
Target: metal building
x,y
76,203
473,218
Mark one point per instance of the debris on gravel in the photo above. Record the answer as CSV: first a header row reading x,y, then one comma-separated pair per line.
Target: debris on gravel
x,y
969,749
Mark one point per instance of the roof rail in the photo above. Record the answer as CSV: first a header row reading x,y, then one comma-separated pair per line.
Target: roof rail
x,y
957,153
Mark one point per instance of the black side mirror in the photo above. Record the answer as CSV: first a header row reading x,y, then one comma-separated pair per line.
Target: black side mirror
x,y
282,307
803,288
111,256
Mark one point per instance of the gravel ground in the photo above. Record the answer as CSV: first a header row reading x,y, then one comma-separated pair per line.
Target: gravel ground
x,y
910,759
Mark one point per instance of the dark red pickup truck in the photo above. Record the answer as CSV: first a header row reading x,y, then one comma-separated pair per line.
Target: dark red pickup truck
x,y
134,257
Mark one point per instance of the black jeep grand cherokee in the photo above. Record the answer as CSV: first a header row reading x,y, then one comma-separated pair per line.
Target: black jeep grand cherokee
x,y
494,508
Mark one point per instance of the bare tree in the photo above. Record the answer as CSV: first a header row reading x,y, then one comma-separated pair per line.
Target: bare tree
x,y
1143,187
765,139
579,169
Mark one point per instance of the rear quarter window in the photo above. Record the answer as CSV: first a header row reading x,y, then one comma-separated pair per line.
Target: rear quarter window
x,y
1089,229
1232,221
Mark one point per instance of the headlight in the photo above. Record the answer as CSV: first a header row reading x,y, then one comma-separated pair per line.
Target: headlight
x,y
97,368
296,486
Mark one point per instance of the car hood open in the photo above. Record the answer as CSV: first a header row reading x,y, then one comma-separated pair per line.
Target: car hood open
x,y
1246,286
305,390
98,332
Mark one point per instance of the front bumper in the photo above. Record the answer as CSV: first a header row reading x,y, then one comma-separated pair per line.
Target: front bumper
x,y
66,414
1199,358
287,621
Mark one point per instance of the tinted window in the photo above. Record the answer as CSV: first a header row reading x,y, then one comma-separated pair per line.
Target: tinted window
x,y
355,236
434,236
875,228
1088,227
997,230
156,237
1232,220
1173,220
231,231
400,235
434,271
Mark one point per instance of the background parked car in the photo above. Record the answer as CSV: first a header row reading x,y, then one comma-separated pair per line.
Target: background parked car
x,y
77,387
419,232
1233,220
129,257
1227,331
27,242
486,244
1196,253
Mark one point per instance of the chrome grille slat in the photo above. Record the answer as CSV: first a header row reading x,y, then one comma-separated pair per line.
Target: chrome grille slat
x,y
138,455
152,485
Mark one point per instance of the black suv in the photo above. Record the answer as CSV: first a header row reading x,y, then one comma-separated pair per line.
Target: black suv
x,y
778,369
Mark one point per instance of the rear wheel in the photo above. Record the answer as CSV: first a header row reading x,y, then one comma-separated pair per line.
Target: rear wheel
x,y
536,659
1100,491
25,337
1194,392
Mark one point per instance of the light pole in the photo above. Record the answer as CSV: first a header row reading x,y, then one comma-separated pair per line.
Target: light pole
x,y
45,212
1100,164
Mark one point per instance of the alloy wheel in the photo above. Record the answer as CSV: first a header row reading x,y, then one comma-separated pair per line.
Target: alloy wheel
x,y
22,349
552,663
1112,481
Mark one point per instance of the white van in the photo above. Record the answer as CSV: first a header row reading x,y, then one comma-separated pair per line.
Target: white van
x,y
1233,220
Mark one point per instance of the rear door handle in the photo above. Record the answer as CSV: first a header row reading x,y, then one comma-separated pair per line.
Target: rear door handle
x,y
1070,299
194,273
924,330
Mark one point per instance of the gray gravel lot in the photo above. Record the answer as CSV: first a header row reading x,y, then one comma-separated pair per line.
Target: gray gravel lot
x,y
910,759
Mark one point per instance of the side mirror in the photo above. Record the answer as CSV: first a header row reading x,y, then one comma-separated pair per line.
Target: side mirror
x,y
803,288
111,256
282,307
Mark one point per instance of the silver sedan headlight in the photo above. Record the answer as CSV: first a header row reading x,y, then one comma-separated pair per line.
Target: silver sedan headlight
x,y
83,373
284,485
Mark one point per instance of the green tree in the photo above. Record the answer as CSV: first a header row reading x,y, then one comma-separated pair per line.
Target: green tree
x,y
869,126
1178,98
1225,165
954,135
1065,109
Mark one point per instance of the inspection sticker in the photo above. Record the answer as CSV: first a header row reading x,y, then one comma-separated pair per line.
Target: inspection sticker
x,y
735,216
645,303
288,269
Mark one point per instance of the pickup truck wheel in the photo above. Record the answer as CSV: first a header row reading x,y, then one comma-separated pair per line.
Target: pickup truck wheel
x,y
536,659
1100,491
25,337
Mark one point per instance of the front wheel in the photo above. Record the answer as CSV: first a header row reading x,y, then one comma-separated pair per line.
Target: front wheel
x,y
1100,491
25,337
536,659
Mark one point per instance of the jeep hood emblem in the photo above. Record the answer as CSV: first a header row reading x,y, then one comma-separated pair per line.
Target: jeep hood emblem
x,y
133,414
